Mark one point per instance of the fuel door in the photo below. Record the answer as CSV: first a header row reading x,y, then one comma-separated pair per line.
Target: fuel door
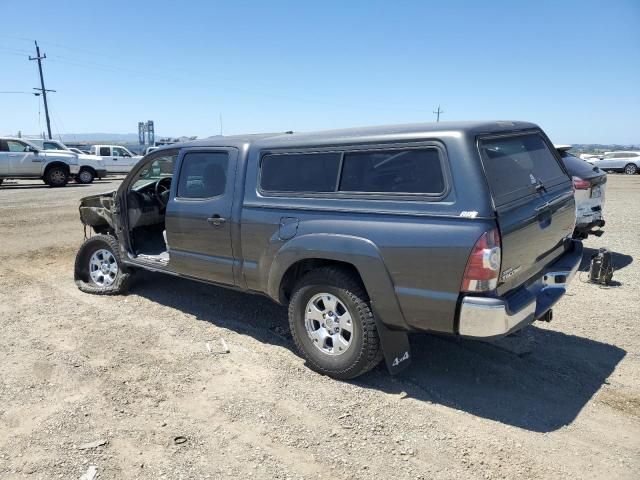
x,y
288,228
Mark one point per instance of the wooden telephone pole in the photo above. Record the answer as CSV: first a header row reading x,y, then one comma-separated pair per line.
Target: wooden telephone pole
x,y
43,90
438,112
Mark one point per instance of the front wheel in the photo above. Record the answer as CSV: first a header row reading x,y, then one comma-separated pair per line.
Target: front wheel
x,y
85,176
56,177
631,169
98,267
332,324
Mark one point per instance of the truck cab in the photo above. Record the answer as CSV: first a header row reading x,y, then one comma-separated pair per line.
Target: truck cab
x,y
117,159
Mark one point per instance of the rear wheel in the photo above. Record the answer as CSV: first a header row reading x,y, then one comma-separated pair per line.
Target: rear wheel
x,y
332,324
85,176
631,169
98,267
56,176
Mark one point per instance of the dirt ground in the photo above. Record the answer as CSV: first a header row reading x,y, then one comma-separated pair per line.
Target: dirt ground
x,y
560,400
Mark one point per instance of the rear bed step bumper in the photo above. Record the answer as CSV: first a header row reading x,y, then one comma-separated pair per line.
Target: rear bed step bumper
x,y
486,317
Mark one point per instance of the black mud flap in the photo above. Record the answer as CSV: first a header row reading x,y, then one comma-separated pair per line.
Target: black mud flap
x,y
395,347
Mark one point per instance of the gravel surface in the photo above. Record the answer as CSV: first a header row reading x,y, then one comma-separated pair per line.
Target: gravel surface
x,y
128,385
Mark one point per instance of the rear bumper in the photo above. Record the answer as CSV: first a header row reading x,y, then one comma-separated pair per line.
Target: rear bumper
x,y
487,317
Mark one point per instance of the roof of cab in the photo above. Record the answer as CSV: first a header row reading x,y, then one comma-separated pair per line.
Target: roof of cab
x,y
383,133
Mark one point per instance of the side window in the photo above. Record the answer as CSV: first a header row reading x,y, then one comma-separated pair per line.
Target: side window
x,y
16,146
50,146
203,174
161,167
300,172
393,171
118,152
105,151
3,146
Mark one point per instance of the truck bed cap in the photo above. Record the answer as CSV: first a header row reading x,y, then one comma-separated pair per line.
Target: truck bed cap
x,y
382,133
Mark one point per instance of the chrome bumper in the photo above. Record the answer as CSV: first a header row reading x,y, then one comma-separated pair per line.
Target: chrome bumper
x,y
486,317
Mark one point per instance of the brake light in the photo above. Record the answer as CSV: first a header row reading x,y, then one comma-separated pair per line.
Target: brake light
x,y
483,265
580,184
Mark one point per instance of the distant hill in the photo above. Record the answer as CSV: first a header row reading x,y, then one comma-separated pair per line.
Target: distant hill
x,y
100,137
600,147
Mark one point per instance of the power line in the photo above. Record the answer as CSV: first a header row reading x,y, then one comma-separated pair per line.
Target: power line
x,y
42,89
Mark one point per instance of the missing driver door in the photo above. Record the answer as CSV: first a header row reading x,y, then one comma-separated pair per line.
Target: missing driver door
x,y
198,219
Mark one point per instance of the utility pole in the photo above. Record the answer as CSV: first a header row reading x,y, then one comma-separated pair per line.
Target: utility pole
x,y
43,90
438,112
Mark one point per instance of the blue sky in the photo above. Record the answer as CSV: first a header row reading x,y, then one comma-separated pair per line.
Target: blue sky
x,y
571,66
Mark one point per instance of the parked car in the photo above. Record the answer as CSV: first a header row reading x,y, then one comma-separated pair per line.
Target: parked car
x,y
117,159
20,159
366,234
589,183
90,165
621,161
589,157
149,150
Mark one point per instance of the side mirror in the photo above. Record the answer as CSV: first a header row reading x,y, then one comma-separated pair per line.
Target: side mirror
x,y
32,149
126,155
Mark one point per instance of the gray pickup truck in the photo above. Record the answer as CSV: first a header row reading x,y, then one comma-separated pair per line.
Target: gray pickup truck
x,y
366,234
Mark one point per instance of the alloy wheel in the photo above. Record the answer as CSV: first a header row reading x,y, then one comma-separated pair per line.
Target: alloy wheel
x,y
103,268
329,324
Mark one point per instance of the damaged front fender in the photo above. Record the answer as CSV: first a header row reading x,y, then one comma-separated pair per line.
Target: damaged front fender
x,y
98,211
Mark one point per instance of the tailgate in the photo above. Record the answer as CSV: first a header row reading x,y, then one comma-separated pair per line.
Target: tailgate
x,y
533,198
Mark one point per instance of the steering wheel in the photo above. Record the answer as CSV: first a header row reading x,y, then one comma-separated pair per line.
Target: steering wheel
x,y
162,189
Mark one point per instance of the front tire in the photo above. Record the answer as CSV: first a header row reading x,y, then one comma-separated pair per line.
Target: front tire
x,y
98,268
332,324
631,169
85,176
56,177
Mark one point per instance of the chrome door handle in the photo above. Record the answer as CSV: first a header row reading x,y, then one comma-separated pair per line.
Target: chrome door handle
x,y
216,220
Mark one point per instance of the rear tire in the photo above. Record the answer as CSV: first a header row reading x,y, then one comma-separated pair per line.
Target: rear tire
x,y
631,169
85,176
98,268
56,177
337,338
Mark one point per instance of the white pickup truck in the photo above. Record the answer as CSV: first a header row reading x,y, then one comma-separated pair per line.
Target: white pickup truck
x,y
21,159
117,159
91,166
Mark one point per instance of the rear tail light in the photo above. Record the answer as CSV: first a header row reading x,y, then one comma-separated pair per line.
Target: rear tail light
x,y
483,265
580,184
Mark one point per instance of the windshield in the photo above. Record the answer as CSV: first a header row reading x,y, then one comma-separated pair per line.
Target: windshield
x,y
161,167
